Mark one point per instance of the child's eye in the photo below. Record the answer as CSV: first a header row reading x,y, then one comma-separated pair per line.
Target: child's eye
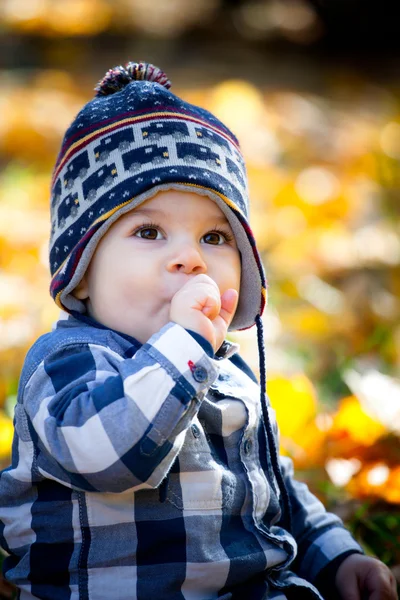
x,y
217,238
148,233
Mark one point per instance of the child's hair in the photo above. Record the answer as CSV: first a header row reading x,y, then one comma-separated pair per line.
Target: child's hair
x,y
132,140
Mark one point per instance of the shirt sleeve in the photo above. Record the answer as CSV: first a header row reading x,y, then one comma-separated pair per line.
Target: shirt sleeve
x,y
103,423
321,536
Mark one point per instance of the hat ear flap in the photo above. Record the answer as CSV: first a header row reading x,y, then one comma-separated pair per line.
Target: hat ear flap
x,y
81,292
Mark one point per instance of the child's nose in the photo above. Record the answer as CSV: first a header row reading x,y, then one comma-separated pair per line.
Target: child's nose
x,y
187,259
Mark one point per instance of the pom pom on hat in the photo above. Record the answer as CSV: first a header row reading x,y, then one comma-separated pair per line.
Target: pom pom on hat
x,y
118,77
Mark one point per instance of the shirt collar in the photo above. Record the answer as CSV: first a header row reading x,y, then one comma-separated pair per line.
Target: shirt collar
x,y
226,350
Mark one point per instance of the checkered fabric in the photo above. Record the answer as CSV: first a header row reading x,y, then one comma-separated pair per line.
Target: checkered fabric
x,y
100,423
122,149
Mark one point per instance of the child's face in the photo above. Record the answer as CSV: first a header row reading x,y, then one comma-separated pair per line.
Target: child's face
x,y
149,253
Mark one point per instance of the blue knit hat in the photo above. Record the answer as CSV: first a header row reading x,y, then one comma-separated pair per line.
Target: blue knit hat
x,y
132,140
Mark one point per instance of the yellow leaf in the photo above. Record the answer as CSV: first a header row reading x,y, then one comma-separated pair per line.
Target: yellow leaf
x,y
6,435
352,422
294,401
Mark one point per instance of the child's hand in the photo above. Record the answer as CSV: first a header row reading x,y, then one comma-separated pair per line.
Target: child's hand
x,y
199,306
361,577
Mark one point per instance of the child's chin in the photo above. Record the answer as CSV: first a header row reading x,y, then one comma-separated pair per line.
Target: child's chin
x,y
141,334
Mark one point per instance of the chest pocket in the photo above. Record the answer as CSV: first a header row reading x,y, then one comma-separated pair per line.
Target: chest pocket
x,y
200,481
198,491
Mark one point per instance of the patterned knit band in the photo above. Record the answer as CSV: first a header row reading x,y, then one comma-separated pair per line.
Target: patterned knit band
x,y
131,141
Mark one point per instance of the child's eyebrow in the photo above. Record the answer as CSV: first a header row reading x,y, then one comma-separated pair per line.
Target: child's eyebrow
x,y
154,212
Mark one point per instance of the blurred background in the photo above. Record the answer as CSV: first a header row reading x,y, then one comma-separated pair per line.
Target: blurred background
x,y
312,90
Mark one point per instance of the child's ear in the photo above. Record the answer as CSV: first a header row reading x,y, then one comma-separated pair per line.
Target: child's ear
x,y
81,291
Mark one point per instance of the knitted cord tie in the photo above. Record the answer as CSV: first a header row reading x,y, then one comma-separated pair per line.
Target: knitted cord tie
x,y
118,77
269,434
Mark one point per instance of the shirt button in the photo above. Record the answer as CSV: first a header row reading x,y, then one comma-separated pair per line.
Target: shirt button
x,y
247,446
200,374
195,431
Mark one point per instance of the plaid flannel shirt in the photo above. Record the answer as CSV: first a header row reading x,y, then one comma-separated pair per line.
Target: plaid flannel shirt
x,y
101,422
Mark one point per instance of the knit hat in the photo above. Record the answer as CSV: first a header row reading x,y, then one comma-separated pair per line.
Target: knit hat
x,y
132,140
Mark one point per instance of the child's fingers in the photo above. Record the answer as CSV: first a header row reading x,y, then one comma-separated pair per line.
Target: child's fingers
x,y
229,300
198,306
383,587
211,306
